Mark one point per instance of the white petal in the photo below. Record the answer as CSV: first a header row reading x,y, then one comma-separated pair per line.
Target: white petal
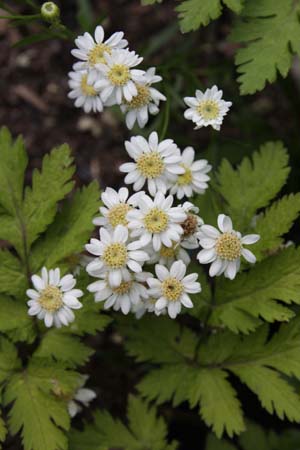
x,y
224,223
250,239
249,256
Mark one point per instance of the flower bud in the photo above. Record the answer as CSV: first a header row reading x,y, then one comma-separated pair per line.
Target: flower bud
x,y
50,12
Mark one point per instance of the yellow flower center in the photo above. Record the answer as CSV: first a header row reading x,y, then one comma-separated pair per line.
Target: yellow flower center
x,y
190,225
117,215
124,288
142,98
172,289
228,246
209,109
86,88
51,298
119,74
115,255
150,165
169,252
96,55
156,220
186,177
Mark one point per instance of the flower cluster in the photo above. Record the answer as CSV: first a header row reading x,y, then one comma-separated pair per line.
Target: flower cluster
x,y
106,75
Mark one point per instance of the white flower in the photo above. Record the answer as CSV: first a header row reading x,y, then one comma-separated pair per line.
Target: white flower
x,y
194,178
172,288
156,221
118,78
207,108
117,204
224,248
53,298
147,305
130,292
83,396
191,226
84,92
91,50
156,163
115,255
146,101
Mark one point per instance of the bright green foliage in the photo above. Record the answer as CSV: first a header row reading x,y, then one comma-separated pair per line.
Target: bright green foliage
x,y
3,431
70,230
8,359
145,430
271,31
12,279
60,346
49,186
150,2
38,409
252,295
195,13
15,321
201,376
248,188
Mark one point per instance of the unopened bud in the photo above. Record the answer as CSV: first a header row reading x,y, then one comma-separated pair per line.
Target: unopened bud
x,y
50,12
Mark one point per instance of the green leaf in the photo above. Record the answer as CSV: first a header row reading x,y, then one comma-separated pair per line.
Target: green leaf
x,y
59,346
49,186
9,361
241,303
150,2
275,222
214,443
248,188
270,31
12,280
195,13
3,431
70,230
15,321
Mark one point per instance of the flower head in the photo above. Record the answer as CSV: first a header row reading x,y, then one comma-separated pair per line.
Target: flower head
x,y
146,101
191,226
90,50
224,248
117,204
118,78
83,91
115,255
53,298
83,396
130,292
156,221
156,163
207,108
194,178
171,288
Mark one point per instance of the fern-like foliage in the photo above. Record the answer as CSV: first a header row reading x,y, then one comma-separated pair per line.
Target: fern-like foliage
x,y
271,33
144,430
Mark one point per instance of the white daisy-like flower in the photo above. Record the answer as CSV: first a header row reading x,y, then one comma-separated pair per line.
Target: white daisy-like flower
x,y
147,305
83,396
146,101
90,50
207,108
115,255
156,221
83,91
194,179
130,292
171,288
167,255
117,204
191,226
156,163
53,297
224,248
118,78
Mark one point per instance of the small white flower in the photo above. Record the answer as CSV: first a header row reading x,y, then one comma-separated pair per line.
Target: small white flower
x,y
156,221
115,255
207,108
224,248
156,163
147,305
117,204
191,226
146,101
83,396
53,298
167,255
172,288
84,92
91,49
118,78
130,292
194,178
